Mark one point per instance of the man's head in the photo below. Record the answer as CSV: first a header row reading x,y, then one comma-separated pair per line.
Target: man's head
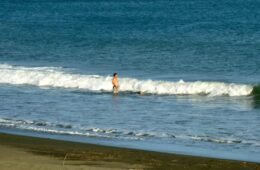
x,y
115,74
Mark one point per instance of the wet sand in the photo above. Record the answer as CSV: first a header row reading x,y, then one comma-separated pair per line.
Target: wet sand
x,y
30,153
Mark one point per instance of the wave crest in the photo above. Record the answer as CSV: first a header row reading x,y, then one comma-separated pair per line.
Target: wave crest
x,y
56,77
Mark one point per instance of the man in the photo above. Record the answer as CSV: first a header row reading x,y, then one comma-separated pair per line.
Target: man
x,y
115,83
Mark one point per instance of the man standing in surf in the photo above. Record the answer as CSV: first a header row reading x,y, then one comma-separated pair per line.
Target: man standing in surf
x,y
115,83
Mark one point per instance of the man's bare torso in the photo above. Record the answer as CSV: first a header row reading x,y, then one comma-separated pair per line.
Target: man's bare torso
x,y
115,83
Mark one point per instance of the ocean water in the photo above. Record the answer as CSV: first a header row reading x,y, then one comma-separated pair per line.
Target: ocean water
x,y
188,71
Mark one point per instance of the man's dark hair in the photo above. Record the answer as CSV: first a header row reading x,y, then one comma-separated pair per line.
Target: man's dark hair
x,y
114,74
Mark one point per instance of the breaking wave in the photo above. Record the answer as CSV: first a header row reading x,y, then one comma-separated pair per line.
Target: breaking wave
x,y
58,78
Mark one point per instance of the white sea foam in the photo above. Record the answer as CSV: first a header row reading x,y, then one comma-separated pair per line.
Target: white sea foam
x,y
216,140
56,77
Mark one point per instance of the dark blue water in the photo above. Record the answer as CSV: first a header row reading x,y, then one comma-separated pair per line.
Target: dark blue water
x,y
197,63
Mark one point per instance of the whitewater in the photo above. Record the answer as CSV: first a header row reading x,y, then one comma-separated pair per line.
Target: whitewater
x,y
57,77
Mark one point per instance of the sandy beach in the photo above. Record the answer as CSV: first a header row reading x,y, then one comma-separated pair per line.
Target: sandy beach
x,y
29,153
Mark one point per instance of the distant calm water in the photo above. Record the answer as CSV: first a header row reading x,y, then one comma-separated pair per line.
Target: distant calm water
x,y
189,74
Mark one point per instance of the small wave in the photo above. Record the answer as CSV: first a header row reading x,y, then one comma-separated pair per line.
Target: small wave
x,y
64,129
61,132
216,140
39,123
64,126
226,140
57,78
98,130
139,134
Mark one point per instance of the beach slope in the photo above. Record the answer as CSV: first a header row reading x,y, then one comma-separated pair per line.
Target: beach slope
x,y
29,153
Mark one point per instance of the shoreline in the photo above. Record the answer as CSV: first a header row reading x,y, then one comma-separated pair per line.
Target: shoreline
x,y
72,155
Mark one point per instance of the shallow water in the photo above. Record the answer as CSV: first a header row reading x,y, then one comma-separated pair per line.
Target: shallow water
x,y
194,63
